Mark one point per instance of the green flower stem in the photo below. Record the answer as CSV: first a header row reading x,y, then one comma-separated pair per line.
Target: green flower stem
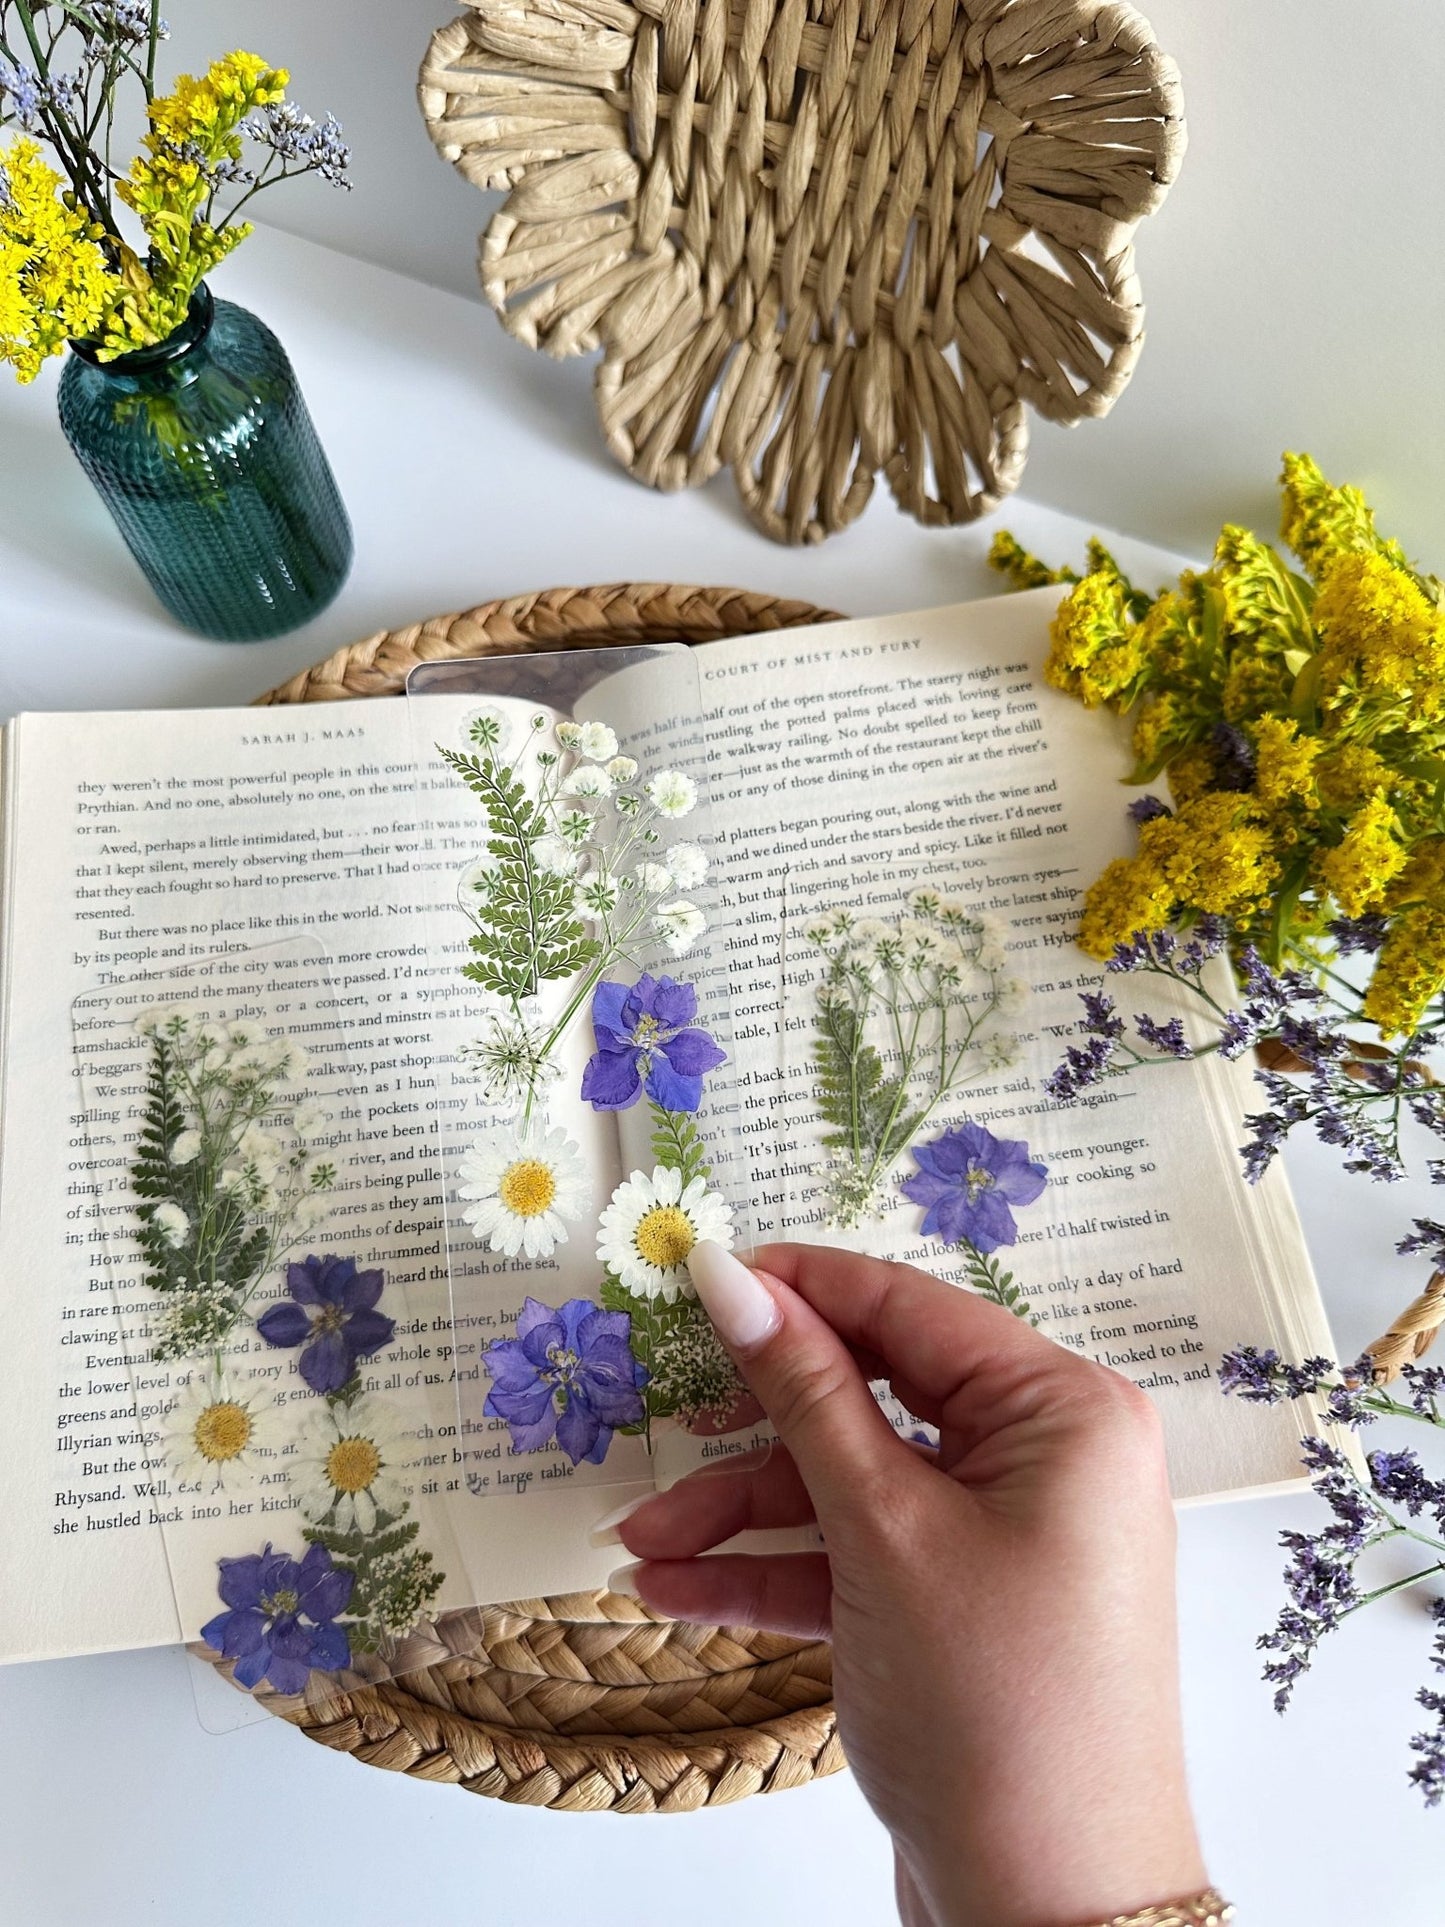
x,y
69,149
948,1080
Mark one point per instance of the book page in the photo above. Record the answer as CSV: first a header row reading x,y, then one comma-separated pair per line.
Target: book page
x,y
138,843
853,762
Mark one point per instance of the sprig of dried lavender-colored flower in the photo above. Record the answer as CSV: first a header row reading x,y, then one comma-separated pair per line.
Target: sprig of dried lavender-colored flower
x,y
1354,1095
1321,1577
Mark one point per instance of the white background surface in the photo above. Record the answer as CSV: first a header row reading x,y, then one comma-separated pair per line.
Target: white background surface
x,y
1294,279
471,470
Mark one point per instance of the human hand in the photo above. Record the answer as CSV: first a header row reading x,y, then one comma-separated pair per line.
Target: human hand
x,y
1002,1615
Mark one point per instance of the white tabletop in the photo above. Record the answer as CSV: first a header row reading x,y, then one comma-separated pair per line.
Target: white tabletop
x,y
473,469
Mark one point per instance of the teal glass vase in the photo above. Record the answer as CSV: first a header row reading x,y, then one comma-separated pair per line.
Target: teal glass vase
x,y
203,451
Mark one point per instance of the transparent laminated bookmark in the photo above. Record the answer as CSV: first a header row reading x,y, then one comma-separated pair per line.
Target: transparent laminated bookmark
x,y
925,1017
288,1352
588,1008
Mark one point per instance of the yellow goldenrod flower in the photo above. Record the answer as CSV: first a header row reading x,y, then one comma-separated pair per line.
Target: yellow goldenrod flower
x,y
1094,650
55,282
1321,522
1409,970
1351,773
1261,602
1285,763
1161,729
1254,685
1212,854
195,130
1024,571
1381,640
1191,773
1356,871
1129,895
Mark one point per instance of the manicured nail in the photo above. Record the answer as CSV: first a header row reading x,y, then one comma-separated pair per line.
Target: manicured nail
x,y
737,1301
605,1532
624,1580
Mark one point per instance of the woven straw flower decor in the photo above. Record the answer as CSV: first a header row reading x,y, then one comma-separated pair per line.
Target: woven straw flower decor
x,y
816,239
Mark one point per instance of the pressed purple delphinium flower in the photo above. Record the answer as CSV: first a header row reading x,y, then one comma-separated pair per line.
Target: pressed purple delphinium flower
x,y
332,1316
569,1374
969,1181
647,1041
281,1623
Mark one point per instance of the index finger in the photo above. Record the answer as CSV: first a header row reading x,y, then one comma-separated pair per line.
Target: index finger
x,y
934,1336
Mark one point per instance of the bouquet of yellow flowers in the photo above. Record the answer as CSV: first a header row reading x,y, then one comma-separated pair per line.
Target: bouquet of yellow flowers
x,y
67,270
1297,715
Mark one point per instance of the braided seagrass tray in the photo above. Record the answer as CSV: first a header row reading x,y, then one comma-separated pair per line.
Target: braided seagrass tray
x,y
817,240
587,1703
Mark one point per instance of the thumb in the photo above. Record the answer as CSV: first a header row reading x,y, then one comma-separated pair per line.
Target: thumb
x,y
805,1378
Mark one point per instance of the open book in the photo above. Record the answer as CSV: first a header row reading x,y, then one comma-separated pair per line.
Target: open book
x,y
848,767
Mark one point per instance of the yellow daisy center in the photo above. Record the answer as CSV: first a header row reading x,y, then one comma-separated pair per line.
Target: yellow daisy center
x,y
665,1236
352,1464
223,1431
527,1188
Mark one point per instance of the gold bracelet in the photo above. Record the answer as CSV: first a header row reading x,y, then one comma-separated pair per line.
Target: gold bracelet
x,y
1209,1909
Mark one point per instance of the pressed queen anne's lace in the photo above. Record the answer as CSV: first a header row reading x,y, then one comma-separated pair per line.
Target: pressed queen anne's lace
x,y
908,1013
575,877
230,1172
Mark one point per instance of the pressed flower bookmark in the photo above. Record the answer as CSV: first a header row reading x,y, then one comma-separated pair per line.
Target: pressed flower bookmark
x,y
599,1047
281,1449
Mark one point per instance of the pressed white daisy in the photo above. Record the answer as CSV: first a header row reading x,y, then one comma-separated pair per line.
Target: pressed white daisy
x,y
172,1223
654,879
622,769
646,1234
576,827
349,1458
672,793
819,928
925,903
233,1178
485,729
687,865
953,915
522,1187
554,857
598,743
832,996
679,925
244,1035
595,897
185,1147
588,782
569,735
213,1430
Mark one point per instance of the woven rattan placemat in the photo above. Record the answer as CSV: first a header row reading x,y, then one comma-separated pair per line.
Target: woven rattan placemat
x,y
588,1703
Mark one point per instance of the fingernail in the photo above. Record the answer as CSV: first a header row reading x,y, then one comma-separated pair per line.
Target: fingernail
x,y
737,1301
624,1580
605,1532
